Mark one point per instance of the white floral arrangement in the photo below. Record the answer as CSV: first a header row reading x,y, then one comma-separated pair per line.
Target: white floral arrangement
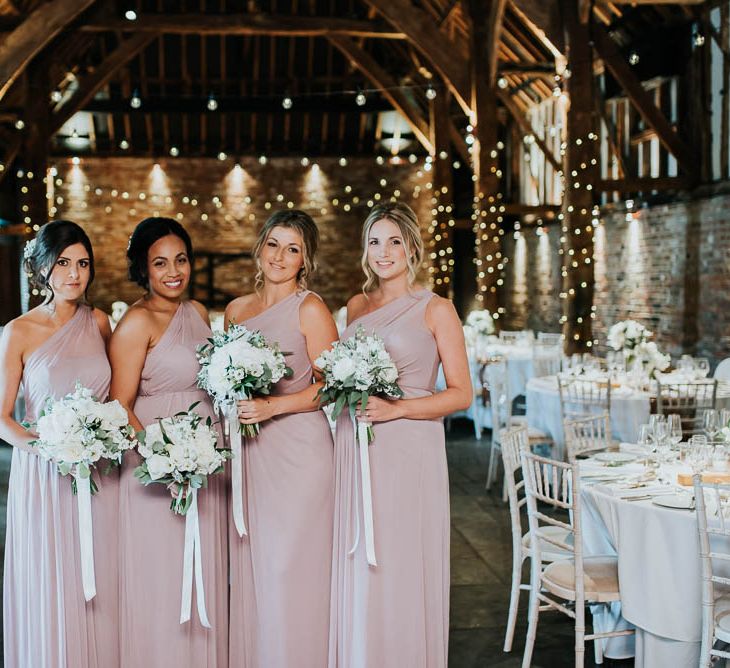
x,y
239,364
480,322
180,452
354,370
627,335
77,431
632,338
651,358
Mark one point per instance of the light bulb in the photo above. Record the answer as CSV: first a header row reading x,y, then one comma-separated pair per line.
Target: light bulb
x,y
212,103
287,102
360,99
130,15
431,92
135,101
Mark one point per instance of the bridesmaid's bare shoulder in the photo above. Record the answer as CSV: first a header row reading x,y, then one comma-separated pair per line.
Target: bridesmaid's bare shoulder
x,y
138,322
314,308
241,308
102,320
356,306
441,311
203,312
27,331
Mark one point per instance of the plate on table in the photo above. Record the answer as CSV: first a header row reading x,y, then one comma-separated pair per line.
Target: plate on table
x,y
679,501
614,458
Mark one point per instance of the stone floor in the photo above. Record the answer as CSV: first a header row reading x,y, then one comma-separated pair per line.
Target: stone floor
x,y
481,561
481,566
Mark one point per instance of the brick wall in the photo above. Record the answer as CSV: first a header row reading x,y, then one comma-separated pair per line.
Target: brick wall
x,y
532,280
223,207
667,266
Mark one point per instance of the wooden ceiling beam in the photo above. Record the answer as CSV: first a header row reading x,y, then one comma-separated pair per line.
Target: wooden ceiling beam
x,y
28,39
245,24
527,129
494,28
652,115
421,30
95,80
388,88
644,184
657,2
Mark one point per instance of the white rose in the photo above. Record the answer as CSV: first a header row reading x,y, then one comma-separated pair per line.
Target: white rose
x,y
342,369
59,422
158,466
113,416
69,452
389,374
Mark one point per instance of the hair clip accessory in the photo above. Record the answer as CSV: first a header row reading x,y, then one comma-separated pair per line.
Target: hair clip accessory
x,y
29,249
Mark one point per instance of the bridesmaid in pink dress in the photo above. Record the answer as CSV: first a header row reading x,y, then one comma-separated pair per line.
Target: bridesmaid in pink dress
x,y
280,572
46,622
154,370
396,614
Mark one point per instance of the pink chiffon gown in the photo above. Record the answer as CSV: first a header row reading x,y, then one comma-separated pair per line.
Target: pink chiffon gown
x,y
280,573
152,536
395,614
46,622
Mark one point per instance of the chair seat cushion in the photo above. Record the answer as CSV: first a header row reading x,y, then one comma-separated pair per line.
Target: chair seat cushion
x,y
600,581
722,617
548,551
533,433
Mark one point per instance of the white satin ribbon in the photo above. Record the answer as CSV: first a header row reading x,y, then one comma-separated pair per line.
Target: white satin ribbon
x,y
236,440
363,482
193,561
86,536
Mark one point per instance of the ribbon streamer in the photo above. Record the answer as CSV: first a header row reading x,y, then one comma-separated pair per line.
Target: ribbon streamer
x,y
193,560
361,442
234,434
86,536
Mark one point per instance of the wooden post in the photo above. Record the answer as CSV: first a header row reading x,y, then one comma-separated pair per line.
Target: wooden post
x,y
442,223
581,172
34,154
487,189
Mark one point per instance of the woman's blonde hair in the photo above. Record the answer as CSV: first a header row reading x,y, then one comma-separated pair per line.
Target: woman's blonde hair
x,y
405,219
301,222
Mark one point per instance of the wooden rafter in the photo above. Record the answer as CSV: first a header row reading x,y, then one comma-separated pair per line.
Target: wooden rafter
x,y
652,115
246,24
643,184
27,40
388,87
527,129
494,26
425,36
95,80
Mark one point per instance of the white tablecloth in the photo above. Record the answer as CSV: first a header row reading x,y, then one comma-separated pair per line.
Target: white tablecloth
x,y
519,366
659,576
629,410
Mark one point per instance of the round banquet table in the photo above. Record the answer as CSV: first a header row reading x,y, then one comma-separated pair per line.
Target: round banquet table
x,y
659,575
629,409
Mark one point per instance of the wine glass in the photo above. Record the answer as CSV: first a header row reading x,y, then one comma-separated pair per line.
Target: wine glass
x,y
711,423
702,366
674,428
700,453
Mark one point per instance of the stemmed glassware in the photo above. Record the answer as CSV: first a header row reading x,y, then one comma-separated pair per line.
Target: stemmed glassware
x,y
674,429
711,424
702,366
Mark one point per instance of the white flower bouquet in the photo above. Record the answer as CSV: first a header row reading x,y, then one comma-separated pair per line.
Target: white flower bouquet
x,y
651,358
627,335
239,364
77,431
180,452
481,322
354,370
